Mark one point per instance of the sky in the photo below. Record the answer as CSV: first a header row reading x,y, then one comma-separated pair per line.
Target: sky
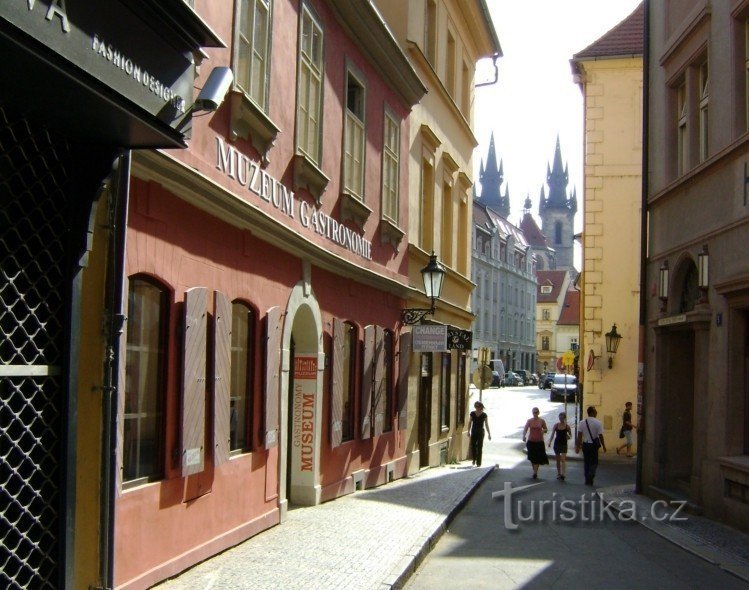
x,y
535,98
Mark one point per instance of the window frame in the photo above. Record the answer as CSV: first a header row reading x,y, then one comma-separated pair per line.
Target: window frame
x,y
431,26
159,464
251,45
703,79
682,129
391,206
303,62
358,123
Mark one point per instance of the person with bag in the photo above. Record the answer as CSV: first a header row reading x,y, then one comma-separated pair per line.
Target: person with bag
x,y
590,439
626,430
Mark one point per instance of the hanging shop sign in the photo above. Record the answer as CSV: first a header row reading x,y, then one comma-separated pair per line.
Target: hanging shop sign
x,y
428,338
97,40
250,176
458,339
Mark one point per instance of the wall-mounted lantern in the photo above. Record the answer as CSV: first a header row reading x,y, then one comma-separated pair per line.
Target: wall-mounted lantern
x,y
612,344
434,275
663,284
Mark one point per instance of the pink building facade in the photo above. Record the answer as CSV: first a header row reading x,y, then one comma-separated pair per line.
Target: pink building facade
x,y
265,274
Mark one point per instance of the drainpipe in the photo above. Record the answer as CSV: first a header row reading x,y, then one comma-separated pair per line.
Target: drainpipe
x,y
115,286
643,249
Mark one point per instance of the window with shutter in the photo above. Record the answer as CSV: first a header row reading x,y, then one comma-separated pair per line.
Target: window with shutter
x,y
194,380
404,363
272,375
145,382
242,353
222,333
367,386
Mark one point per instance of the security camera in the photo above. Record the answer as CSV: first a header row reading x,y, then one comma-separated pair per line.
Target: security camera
x,y
214,90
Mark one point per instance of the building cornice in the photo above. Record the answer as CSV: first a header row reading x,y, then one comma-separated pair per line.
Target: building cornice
x,y
366,27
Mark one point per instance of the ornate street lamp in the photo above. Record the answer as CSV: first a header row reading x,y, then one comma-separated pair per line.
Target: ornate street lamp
x,y
612,344
434,275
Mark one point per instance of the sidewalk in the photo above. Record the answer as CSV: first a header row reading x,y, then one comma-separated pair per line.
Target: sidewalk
x,y
372,539
714,542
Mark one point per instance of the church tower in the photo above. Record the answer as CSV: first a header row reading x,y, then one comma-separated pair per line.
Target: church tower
x,y
491,177
557,212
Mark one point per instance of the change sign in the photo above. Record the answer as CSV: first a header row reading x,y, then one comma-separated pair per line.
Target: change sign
x,y
429,338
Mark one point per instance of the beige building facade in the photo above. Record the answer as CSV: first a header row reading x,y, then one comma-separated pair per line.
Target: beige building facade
x,y
610,75
444,39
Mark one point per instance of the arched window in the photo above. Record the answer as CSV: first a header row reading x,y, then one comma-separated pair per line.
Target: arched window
x,y
242,354
558,232
690,292
145,381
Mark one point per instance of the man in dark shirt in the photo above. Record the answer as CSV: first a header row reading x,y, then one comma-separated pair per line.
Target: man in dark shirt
x,y
627,429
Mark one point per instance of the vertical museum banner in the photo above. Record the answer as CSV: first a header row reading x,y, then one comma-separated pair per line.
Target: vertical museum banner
x,y
305,389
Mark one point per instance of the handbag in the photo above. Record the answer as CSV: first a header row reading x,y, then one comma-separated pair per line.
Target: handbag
x,y
596,441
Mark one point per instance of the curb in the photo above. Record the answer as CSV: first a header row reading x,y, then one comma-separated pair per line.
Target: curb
x,y
411,561
694,545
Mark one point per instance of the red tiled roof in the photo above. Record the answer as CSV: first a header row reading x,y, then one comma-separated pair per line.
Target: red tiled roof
x,y
570,315
555,278
532,232
626,38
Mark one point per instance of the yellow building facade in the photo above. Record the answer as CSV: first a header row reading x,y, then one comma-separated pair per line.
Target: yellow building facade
x,y
444,39
610,75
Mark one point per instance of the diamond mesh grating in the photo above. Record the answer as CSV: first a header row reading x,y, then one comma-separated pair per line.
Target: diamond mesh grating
x,y
33,213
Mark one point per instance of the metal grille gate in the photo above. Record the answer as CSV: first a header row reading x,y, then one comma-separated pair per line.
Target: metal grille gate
x,y
34,168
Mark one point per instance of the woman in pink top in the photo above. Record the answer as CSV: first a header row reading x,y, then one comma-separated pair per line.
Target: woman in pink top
x,y
534,431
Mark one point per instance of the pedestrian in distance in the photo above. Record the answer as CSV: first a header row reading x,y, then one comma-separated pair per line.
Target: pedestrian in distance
x,y
560,434
590,439
626,430
534,431
478,421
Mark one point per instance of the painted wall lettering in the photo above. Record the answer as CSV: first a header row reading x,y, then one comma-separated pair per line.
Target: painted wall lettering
x,y
248,174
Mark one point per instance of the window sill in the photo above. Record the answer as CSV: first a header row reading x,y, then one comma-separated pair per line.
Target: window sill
x,y
737,463
353,208
308,176
391,234
248,121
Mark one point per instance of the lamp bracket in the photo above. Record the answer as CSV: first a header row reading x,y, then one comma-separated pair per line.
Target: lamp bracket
x,y
414,315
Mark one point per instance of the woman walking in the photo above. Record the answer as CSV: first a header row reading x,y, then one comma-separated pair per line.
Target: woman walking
x,y
560,434
534,431
479,420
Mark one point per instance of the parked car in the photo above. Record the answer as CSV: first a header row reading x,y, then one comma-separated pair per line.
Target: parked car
x,y
563,385
546,380
496,380
512,379
534,379
526,375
